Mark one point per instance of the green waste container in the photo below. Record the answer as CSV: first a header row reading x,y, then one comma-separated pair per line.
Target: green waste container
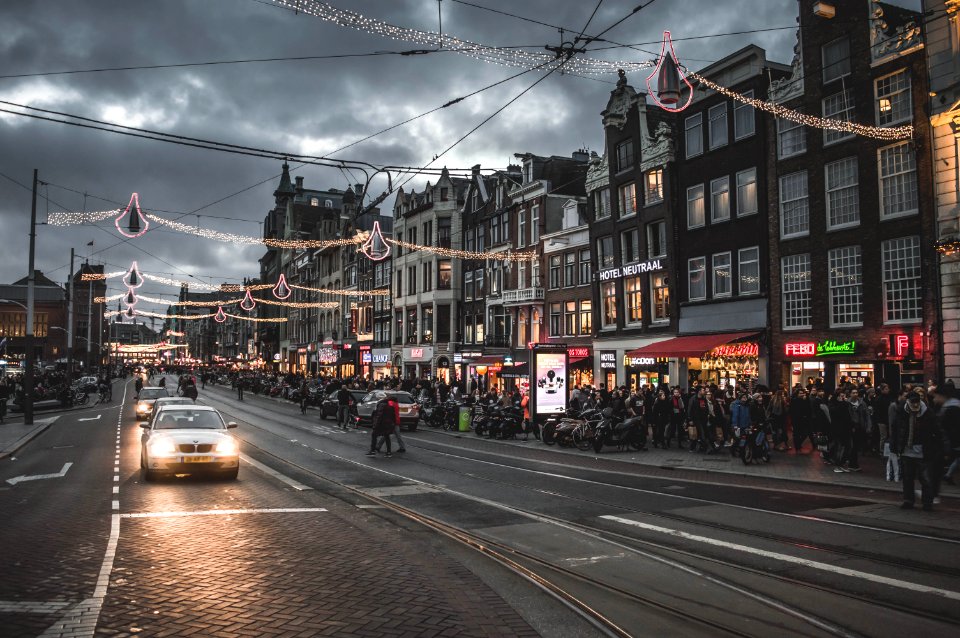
x,y
464,418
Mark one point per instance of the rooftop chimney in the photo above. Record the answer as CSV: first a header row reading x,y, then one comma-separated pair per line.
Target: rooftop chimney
x,y
299,183
581,155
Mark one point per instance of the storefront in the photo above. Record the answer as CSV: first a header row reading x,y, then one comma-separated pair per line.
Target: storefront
x,y
418,362
731,365
896,360
730,359
443,370
366,361
380,363
641,371
486,370
608,368
327,361
580,366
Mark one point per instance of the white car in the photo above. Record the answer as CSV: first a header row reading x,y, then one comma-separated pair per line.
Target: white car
x,y
145,399
188,439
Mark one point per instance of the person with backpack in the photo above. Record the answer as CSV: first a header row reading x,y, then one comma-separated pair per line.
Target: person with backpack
x,y
384,421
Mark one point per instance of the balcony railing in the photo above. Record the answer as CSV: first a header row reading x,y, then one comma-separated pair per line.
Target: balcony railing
x,y
497,341
522,296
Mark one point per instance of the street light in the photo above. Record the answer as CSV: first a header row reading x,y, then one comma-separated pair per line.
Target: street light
x,y
13,302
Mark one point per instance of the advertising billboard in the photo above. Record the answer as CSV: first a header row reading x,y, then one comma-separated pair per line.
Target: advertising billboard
x,y
549,381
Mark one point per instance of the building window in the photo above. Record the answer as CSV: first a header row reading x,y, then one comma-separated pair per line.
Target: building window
x,y
555,320
570,318
608,292
836,59
720,199
555,272
898,181
694,135
722,277
843,193
480,329
314,201
584,267
535,275
398,292
795,283
444,274
748,266
901,280
894,104
656,239
411,325
718,125
605,252
624,155
654,182
630,246
411,235
744,119
839,106
481,236
444,232
478,290
660,297
697,278
747,192
428,233
495,230
505,226
412,280
443,194
496,278
521,275
695,212
426,320
398,330
570,269
427,268
468,286
601,203
443,323
634,300
791,138
521,226
794,207
534,225
846,289
628,200
586,317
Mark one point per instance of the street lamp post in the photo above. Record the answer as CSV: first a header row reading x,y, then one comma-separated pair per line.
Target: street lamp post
x,y
31,279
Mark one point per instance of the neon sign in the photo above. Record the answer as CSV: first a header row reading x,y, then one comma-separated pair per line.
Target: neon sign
x,y
737,350
578,353
800,349
829,347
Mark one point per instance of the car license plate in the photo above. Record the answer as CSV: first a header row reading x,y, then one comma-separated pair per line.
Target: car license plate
x,y
197,459
404,410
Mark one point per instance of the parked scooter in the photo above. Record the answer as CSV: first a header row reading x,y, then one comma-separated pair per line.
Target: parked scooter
x,y
613,431
756,447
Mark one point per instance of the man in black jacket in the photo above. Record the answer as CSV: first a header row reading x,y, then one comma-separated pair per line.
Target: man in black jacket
x,y
343,406
916,436
384,422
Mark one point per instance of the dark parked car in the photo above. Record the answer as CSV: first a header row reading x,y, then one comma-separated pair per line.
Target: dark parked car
x,y
328,409
409,409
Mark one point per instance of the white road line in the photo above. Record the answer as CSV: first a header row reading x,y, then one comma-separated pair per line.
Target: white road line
x,y
300,487
173,514
787,558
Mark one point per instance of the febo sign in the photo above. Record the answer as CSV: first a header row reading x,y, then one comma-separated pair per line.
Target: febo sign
x,y
800,349
904,347
825,348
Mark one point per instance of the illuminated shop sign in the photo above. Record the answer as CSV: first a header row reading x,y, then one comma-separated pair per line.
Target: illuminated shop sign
x,y
608,360
327,356
630,270
366,357
801,349
826,348
737,350
381,358
638,361
578,353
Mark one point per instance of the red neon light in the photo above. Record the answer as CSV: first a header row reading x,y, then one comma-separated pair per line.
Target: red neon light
x,y
800,349
578,352
656,71
737,350
901,345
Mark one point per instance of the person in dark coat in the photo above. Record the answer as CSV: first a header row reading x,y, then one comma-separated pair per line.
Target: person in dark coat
x,y
916,436
662,411
800,416
949,414
384,422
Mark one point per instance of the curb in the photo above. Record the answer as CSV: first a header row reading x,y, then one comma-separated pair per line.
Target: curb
x,y
38,429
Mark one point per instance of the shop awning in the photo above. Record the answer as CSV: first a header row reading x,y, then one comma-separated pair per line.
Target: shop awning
x,y
487,359
689,346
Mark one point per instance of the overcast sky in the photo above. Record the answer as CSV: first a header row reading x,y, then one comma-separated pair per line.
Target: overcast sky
x,y
309,107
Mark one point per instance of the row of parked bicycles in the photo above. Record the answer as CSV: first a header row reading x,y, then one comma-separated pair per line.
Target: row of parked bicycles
x,y
590,428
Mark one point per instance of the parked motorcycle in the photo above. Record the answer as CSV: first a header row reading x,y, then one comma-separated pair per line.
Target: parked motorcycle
x,y
506,422
480,421
613,431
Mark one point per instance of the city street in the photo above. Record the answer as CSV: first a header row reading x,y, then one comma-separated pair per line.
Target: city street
x,y
317,539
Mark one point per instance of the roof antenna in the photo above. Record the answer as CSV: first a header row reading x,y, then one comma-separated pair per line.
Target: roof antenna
x,y
440,20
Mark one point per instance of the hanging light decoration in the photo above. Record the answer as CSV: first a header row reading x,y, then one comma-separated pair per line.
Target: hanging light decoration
x,y
220,317
375,247
282,290
137,224
131,299
668,92
248,303
130,312
133,279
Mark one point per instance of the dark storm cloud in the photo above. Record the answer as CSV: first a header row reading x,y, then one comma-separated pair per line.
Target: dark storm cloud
x,y
304,107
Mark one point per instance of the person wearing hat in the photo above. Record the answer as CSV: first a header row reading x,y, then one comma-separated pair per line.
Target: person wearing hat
x,y
916,436
948,413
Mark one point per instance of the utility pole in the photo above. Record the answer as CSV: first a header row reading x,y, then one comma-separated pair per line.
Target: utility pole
x,y
70,326
89,318
31,279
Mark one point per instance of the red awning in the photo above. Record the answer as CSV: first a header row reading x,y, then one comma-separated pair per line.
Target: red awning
x,y
487,360
691,346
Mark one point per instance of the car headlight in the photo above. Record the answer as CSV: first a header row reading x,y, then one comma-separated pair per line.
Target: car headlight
x,y
228,446
143,407
162,447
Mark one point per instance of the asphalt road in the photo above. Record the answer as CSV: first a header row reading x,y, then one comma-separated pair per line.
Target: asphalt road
x,y
314,529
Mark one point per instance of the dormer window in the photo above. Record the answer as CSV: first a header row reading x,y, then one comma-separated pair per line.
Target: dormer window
x,y
314,201
527,172
328,203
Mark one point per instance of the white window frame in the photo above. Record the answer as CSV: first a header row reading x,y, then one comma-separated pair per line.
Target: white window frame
x,y
665,285
847,103
743,258
627,193
904,175
691,124
739,108
605,300
703,212
741,185
521,226
825,67
653,195
630,295
845,280
717,118
901,95
719,199
834,190
797,282
601,203
700,267
786,127
896,250
805,198
535,225
633,233
716,275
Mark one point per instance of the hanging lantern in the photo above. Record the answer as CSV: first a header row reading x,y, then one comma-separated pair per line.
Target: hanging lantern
x,y
135,224
282,290
221,316
133,279
375,248
248,303
669,77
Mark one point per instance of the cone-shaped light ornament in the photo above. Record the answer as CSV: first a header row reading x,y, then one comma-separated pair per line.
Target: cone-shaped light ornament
x,y
131,299
135,223
375,247
129,312
220,317
282,290
133,278
669,77
248,303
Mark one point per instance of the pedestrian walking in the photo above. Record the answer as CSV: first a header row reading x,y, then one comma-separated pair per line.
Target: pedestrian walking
x,y
138,385
801,413
343,407
917,438
240,388
191,391
392,404
384,420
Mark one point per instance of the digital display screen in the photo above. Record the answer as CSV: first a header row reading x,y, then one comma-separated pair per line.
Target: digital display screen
x,y
550,382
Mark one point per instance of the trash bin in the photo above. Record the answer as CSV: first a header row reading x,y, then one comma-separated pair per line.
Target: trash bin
x,y
464,418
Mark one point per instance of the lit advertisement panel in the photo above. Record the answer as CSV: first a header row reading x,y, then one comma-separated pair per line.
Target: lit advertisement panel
x,y
550,375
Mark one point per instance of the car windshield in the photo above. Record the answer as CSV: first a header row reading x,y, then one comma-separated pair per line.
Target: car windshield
x,y
188,419
401,397
152,393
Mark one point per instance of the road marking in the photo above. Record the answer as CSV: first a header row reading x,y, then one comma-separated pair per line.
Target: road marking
x,y
36,477
116,489
300,487
93,418
787,558
172,514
